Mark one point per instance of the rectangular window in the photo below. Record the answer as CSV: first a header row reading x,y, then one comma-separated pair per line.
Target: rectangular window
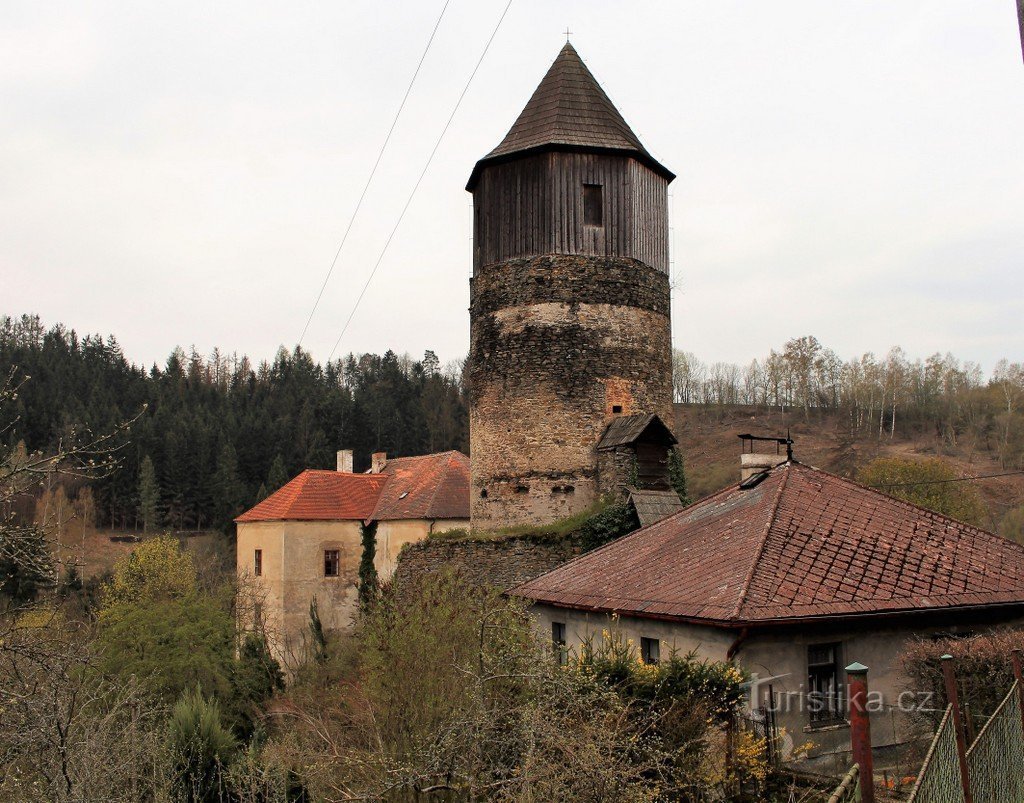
x,y
593,208
824,692
257,563
332,562
650,650
558,644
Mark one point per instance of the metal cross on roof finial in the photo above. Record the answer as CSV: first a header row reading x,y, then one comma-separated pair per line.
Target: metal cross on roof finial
x,y
568,33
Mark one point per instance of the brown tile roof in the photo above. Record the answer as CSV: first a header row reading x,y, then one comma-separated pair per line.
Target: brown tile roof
x,y
320,496
652,506
569,110
433,486
801,544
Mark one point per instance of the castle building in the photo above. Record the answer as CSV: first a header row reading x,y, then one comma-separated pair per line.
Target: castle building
x,y
569,306
307,539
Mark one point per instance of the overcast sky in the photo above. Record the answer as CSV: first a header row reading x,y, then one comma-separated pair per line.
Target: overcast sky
x,y
182,173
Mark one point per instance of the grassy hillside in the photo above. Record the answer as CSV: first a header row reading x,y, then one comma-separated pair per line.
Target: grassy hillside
x,y
711,448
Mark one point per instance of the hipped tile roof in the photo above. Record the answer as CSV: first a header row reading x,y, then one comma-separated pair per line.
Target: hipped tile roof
x,y
320,496
434,486
569,110
801,544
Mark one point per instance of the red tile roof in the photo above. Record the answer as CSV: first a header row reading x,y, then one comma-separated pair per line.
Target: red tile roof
x,y
802,543
320,496
434,486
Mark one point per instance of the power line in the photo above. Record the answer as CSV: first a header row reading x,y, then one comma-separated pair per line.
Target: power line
x,y
940,482
419,180
373,172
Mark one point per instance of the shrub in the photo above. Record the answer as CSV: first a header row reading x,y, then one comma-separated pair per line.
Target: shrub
x,y
201,748
983,669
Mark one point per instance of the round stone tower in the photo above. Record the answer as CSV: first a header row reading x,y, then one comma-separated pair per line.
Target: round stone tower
x,y
569,300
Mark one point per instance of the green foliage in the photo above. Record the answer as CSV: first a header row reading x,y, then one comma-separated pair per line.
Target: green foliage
x,y
279,416
170,645
230,495
256,677
156,570
201,748
1011,525
276,477
318,639
614,521
26,565
369,583
677,474
149,496
926,483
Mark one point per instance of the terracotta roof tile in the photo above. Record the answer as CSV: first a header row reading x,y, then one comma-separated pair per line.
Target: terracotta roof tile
x,y
802,543
320,496
433,486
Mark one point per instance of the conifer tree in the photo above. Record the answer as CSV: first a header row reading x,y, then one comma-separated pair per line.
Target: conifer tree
x,y
149,496
277,476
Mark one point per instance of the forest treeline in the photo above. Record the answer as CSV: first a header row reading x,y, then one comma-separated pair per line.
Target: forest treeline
x,y
875,397
211,434
214,433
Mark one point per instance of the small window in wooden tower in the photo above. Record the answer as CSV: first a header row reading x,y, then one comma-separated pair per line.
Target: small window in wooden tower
x,y
593,208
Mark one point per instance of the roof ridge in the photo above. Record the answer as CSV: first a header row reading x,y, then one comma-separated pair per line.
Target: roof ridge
x,y
745,589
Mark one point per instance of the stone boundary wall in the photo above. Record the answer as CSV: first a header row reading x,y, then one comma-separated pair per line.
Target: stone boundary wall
x,y
500,563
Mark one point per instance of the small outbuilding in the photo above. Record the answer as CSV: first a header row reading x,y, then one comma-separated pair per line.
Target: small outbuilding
x,y
793,573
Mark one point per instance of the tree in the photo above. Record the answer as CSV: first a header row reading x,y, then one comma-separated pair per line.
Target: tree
x,y
230,494
930,483
149,496
277,475
157,570
1011,525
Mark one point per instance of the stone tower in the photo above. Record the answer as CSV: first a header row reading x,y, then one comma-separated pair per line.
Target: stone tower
x,y
569,300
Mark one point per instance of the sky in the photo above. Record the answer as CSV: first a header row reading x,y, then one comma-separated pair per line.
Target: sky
x,y
182,173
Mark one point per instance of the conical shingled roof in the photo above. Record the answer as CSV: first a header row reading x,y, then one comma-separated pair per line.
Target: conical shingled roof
x,y
569,111
802,544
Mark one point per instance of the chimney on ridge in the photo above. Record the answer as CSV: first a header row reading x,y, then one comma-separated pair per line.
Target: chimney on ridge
x,y
377,462
345,460
756,462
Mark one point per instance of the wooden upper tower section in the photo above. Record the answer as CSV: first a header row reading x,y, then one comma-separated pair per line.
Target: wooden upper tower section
x,y
570,177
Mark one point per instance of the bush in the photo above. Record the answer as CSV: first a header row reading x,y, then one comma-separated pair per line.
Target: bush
x,y
926,483
201,748
983,669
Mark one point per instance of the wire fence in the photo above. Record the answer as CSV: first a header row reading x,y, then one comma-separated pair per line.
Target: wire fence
x,y
995,760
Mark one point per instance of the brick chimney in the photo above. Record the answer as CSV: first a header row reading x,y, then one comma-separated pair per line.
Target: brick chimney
x,y
345,460
377,462
765,459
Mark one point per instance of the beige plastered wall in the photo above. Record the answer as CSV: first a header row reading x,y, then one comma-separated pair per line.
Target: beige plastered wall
x,y
395,534
293,571
779,658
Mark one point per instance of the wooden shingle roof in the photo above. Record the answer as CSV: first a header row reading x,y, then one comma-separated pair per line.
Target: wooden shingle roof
x,y
627,429
569,111
800,545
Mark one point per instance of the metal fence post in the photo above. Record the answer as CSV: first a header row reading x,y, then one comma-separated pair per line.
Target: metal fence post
x,y
860,729
958,725
1018,673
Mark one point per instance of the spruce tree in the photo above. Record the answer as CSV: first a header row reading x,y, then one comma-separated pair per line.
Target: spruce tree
x,y
149,496
278,476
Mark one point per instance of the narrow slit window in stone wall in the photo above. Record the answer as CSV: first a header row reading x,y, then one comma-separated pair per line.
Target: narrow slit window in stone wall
x,y
593,208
